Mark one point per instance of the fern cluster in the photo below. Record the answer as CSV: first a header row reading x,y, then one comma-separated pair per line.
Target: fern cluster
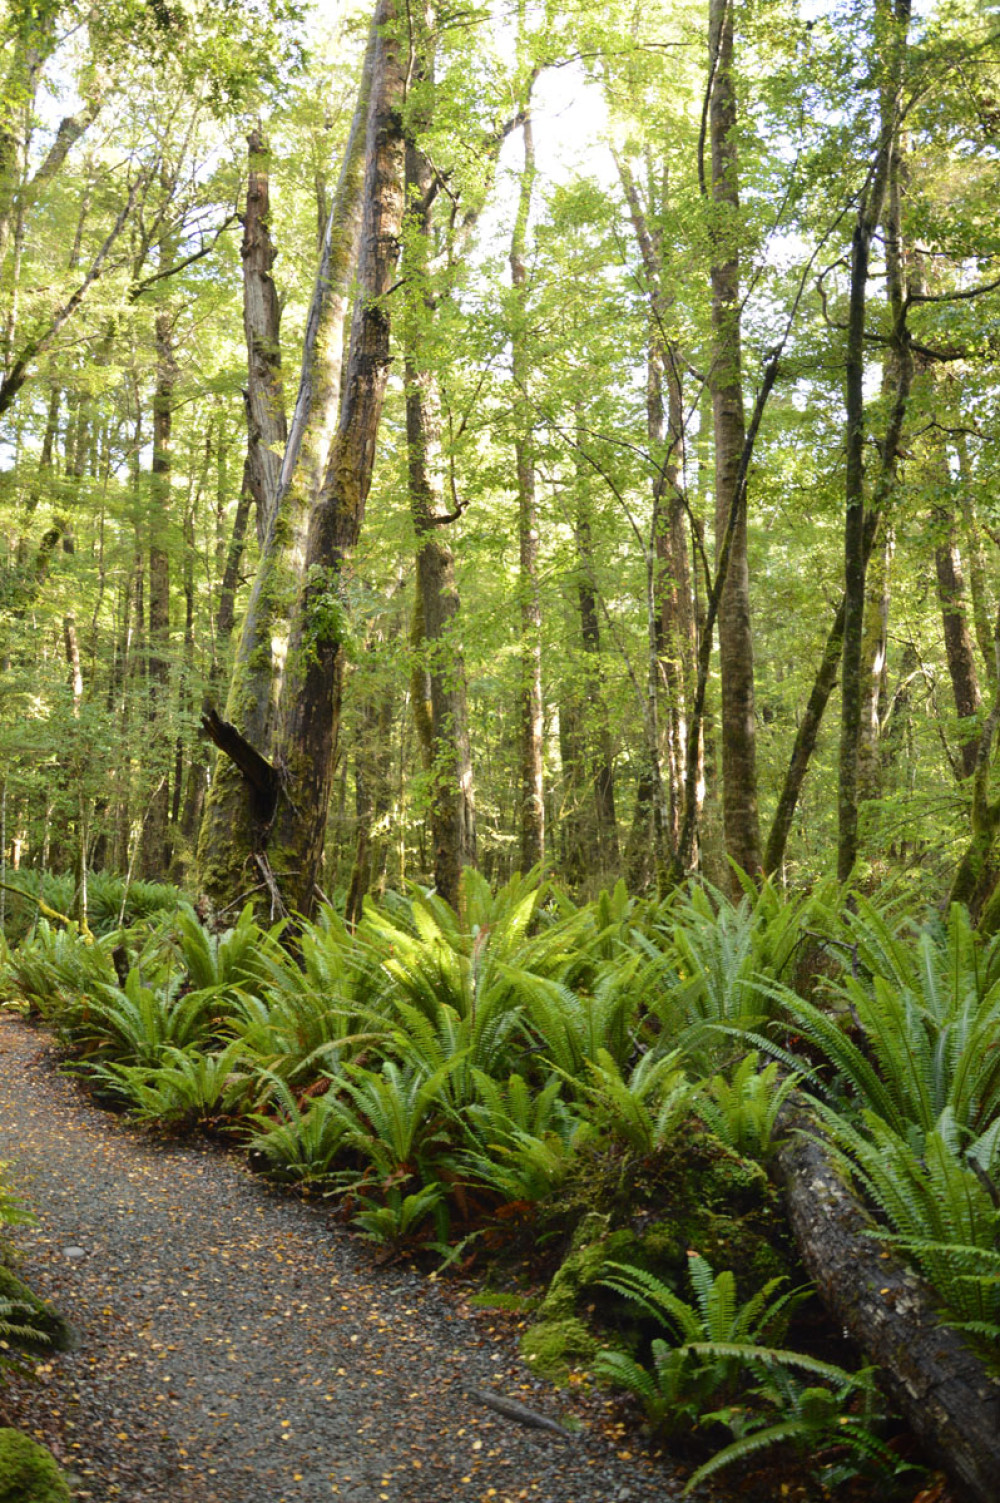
x,y
431,1067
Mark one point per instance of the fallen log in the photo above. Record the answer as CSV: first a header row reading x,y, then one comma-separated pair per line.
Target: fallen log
x,y
939,1385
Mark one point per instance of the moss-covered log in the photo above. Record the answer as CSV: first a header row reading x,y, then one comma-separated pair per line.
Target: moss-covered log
x,y
939,1385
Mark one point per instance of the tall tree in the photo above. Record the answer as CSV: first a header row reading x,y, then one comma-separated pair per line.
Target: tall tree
x,y
307,736
738,717
892,23
531,845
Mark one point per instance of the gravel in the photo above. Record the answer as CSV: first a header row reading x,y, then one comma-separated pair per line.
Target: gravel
x,y
234,1345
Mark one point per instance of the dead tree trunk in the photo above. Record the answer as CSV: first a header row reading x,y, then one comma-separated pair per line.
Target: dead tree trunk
x,y
950,1402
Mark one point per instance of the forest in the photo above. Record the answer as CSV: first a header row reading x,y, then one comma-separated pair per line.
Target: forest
x,y
500,671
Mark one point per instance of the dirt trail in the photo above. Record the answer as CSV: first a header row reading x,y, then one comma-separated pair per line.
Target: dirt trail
x,y
237,1347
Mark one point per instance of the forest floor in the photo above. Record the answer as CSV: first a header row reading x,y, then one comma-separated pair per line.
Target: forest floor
x,y
234,1344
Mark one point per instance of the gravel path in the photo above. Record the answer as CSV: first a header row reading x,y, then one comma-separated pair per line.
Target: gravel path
x,y
235,1346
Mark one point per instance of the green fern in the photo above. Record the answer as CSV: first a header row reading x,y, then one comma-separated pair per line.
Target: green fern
x,y
646,1109
186,1088
304,1143
400,1216
743,1111
932,1200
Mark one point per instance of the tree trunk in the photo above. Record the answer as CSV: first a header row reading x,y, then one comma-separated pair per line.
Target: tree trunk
x,y
738,718
949,1400
230,834
306,744
373,798
896,389
982,605
874,645
958,643
599,748
452,807
265,396
78,907
805,743
855,560
532,794
155,839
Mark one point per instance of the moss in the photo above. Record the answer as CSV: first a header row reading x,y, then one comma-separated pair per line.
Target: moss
x,y
54,1331
620,1207
28,1472
552,1348
593,1246
695,1193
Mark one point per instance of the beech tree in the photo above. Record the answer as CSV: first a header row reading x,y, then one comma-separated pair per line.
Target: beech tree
x,y
517,437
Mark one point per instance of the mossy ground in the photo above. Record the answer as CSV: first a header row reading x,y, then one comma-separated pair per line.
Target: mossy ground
x,y
694,1195
28,1472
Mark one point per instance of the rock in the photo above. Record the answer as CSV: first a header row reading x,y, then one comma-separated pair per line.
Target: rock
x,y
28,1472
74,1252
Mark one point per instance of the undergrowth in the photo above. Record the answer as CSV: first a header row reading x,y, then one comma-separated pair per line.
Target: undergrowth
x,y
473,1089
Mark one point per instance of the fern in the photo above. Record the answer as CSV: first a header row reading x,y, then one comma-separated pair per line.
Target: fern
x,y
305,1142
743,1111
646,1109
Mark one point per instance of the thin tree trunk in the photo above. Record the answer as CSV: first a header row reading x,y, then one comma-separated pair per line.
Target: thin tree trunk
x,y
738,718
373,787
855,560
532,793
958,643
599,745
452,808
874,645
982,606
155,840
265,395
78,908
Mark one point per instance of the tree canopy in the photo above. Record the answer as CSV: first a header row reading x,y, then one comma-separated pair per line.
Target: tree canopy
x,y
664,538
